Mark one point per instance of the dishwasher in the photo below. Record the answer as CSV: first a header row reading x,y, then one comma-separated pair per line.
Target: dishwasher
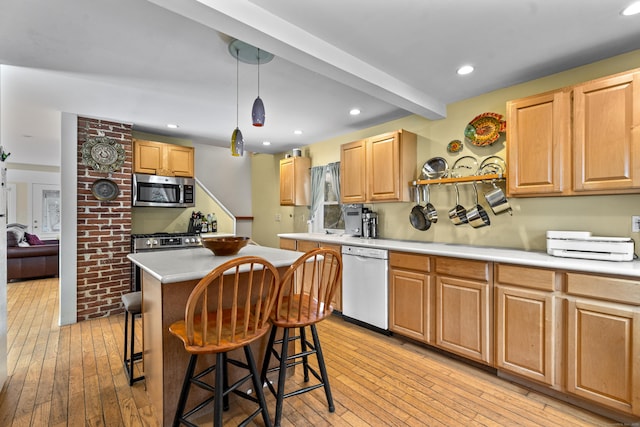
x,y
365,291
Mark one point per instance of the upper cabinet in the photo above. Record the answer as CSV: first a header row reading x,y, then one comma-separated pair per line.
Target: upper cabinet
x,y
377,169
537,152
606,123
158,158
295,181
584,139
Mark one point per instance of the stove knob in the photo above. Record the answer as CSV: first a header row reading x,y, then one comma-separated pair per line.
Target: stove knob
x,y
155,242
147,243
193,240
198,241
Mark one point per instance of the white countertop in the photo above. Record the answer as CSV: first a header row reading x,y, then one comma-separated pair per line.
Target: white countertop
x,y
482,253
193,264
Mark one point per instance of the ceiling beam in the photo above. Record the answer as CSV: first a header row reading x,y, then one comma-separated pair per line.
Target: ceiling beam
x,y
245,21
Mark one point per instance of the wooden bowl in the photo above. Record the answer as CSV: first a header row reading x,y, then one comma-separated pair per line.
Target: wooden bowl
x,y
223,246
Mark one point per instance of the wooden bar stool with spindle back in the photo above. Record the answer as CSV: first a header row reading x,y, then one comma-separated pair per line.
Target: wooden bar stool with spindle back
x,y
304,299
132,303
228,309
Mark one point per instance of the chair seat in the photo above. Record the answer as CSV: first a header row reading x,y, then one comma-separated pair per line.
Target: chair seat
x,y
299,311
225,344
132,302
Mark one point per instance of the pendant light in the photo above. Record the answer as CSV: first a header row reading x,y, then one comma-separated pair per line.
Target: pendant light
x,y
237,141
257,112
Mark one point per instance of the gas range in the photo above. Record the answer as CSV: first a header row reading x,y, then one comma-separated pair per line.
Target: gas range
x,y
164,241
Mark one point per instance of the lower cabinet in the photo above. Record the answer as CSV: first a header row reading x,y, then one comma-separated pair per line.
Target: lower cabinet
x,y
528,323
603,341
463,308
411,296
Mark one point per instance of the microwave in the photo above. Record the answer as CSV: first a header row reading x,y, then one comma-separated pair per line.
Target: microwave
x,y
163,191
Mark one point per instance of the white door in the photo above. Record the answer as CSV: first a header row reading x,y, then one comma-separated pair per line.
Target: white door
x,y
45,221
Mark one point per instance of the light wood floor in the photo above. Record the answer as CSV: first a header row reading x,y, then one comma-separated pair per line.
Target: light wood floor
x,y
73,376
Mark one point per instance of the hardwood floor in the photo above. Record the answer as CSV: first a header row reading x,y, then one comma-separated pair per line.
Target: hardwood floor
x,y
73,376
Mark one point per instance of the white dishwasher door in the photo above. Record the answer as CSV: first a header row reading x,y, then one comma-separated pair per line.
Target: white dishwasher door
x,y
365,292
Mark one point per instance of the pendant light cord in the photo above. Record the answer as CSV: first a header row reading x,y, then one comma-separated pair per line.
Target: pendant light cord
x,y
258,71
237,85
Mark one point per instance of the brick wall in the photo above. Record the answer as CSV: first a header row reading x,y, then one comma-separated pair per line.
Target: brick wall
x,y
104,227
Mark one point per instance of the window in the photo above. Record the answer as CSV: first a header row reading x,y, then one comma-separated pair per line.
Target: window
x,y
326,209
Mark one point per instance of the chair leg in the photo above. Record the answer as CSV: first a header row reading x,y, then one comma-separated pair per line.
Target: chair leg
x,y
305,359
257,385
267,358
184,393
131,356
126,344
323,368
218,402
282,374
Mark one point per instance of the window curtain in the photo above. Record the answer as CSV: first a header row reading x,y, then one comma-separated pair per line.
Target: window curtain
x,y
317,194
333,172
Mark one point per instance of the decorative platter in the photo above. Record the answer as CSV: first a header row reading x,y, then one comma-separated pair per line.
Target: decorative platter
x,y
103,154
455,146
105,190
434,168
485,129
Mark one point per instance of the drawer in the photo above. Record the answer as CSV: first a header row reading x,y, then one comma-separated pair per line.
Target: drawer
x,y
626,291
526,277
410,261
457,267
289,244
306,245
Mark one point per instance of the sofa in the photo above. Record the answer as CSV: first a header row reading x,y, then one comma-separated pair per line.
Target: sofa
x,y
29,257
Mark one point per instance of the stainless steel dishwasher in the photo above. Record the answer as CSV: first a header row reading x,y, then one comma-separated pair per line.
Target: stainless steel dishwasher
x,y
365,291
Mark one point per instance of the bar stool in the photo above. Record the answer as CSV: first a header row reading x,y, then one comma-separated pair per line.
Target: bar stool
x,y
304,299
228,309
132,308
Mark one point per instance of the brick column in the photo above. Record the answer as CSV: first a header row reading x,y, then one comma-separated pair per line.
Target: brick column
x,y
104,227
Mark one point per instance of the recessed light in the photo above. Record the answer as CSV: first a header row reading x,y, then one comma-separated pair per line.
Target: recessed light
x,y
266,143
172,126
354,112
632,9
297,132
465,69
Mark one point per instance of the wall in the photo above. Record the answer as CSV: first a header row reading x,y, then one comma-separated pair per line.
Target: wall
x,y
103,228
532,217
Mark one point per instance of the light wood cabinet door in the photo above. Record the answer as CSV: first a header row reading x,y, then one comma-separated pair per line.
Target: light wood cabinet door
x,y
295,181
289,244
383,161
180,160
147,156
378,169
337,297
606,123
603,353
463,324
526,333
538,153
353,172
410,304
159,158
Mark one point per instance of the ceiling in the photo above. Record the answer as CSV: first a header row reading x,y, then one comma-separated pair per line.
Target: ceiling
x,y
154,62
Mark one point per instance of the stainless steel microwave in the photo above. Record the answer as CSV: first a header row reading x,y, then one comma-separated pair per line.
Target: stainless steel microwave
x,y
163,191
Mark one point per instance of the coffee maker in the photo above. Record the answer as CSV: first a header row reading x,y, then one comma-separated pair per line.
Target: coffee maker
x,y
369,224
360,222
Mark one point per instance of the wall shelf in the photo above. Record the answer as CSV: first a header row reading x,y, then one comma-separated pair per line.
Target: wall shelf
x,y
461,180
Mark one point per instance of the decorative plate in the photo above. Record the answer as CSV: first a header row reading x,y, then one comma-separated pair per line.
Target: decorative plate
x,y
455,146
105,190
103,154
485,129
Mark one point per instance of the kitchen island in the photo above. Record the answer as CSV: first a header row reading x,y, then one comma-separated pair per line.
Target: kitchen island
x,y
168,278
